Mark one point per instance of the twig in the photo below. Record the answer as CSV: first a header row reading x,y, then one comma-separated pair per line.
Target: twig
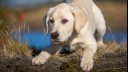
x,y
111,33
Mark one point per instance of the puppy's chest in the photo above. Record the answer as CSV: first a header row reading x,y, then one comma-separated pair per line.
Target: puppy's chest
x,y
70,44
66,49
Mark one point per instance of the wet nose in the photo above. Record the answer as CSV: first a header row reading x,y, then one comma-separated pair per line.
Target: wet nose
x,y
55,35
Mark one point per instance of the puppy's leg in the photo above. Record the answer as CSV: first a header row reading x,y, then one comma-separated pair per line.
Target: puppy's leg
x,y
90,48
73,44
46,54
101,26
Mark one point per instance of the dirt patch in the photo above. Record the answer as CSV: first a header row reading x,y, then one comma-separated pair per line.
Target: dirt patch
x,y
113,58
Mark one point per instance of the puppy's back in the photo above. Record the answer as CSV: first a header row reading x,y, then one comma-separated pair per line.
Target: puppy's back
x,y
70,1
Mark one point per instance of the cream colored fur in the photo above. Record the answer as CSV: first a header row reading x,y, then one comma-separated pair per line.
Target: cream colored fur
x,y
85,18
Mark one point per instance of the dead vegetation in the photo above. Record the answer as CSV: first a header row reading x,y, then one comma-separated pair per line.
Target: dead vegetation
x,y
9,47
15,57
113,58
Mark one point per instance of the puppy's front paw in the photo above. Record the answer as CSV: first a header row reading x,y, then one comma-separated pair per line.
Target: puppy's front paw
x,y
41,58
87,64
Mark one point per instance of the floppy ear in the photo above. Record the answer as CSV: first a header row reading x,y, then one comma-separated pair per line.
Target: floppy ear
x,y
79,20
46,24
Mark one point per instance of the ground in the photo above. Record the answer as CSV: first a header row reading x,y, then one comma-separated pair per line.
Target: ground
x,y
113,58
15,57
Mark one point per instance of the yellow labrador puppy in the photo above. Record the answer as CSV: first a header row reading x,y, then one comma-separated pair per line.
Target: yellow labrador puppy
x,y
78,22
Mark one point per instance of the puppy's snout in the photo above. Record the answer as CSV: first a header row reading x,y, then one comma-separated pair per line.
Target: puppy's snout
x,y
55,35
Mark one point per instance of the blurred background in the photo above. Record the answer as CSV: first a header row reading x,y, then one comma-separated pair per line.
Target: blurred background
x,y
26,17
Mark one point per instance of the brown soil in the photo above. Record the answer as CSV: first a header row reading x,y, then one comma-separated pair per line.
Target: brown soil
x,y
113,58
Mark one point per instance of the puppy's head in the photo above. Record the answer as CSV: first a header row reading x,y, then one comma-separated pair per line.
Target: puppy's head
x,y
61,20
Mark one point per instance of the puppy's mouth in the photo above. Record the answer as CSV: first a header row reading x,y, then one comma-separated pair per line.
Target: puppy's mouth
x,y
53,40
56,41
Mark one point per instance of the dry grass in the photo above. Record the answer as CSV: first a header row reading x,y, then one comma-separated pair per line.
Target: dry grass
x,y
15,57
9,47
113,58
13,49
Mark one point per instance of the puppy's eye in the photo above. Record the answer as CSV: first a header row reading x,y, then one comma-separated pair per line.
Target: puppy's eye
x,y
51,21
64,21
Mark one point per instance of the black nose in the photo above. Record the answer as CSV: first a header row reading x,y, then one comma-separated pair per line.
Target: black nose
x,y
54,35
